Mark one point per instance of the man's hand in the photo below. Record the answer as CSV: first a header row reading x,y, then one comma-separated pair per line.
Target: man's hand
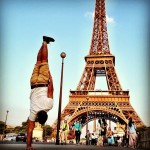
x,y
31,125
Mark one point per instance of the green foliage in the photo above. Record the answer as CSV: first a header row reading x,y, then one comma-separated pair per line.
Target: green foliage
x,y
9,130
4,129
47,130
2,125
17,129
22,128
24,124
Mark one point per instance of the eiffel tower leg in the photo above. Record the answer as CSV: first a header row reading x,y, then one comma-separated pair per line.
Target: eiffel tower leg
x,y
94,124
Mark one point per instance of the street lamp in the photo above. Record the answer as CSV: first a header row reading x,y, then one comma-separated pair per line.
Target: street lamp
x,y
63,55
5,122
87,98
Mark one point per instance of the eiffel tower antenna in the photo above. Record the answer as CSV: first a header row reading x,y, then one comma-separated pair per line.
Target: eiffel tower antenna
x,y
112,104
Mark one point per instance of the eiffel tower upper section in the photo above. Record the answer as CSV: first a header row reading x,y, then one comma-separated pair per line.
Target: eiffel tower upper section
x,y
100,62
100,44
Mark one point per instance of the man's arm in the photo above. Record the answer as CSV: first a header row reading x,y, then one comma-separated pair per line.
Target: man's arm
x,y
31,125
50,87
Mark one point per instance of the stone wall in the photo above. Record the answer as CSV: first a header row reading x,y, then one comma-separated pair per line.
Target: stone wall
x,y
144,139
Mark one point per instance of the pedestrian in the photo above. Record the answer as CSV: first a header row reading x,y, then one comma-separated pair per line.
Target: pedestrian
x,y
88,137
77,127
115,135
100,141
132,134
71,135
97,133
109,136
41,96
119,141
93,138
60,135
103,130
99,126
65,129
125,137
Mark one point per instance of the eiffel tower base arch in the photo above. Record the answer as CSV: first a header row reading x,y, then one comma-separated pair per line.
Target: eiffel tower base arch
x,y
99,104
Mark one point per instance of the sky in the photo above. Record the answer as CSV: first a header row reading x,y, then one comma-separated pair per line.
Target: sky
x,y
70,23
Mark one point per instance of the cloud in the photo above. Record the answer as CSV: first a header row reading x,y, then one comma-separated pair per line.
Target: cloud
x,y
90,15
109,19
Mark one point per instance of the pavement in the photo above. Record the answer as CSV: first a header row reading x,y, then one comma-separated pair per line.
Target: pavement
x,y
47,146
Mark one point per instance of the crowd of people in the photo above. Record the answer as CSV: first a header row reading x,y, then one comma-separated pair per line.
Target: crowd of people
x,y
70,133
104,135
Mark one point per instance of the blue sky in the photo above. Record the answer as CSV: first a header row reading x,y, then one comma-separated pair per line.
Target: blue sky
x,y
70,23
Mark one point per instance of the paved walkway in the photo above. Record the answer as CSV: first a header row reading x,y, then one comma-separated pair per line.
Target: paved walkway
x,y
60,147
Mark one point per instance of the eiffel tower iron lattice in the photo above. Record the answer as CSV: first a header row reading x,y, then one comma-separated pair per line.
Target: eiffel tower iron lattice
x,y
112,104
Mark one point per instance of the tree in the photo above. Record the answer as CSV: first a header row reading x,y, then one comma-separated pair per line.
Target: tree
x,y
24,126
18,129
47,130
2,127
9,130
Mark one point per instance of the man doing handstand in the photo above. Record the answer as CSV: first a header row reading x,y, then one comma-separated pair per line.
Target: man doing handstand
x,y
41,97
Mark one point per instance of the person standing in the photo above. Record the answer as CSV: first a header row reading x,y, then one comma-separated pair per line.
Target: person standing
x,y
88,137
103,130
97,133
103,127
61,136
126,137
93,135
65,129
41,96
71,134
132,134
77,127
109,136
115,135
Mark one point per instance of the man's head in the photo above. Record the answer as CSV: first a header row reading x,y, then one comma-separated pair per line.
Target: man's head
x,y
42,117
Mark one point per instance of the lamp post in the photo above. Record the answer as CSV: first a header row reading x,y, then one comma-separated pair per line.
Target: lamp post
x,y
5,122
87,98
63,55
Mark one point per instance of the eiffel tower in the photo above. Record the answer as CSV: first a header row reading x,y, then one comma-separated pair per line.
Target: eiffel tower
x,y
112,104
